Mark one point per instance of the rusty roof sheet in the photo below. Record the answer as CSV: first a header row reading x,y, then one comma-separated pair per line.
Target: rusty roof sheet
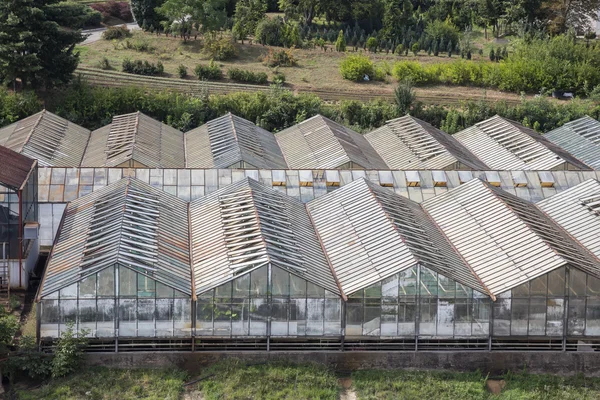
x,y
15,168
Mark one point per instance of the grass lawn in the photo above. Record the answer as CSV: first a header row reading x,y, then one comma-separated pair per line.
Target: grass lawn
x,y
111,384
315,69
234,380
426,385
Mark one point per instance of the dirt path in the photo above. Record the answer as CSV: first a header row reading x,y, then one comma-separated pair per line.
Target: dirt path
x,y
347,393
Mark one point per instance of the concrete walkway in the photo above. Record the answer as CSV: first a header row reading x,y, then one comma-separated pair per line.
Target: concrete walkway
x,y
96,34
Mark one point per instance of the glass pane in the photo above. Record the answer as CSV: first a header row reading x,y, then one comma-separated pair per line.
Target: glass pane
x,y
241,286
87,311
389,320
106,282
555,317
576,282
593,286
105,318
258,282
407,281
592,316
313,290
354,317
429,284
463,291
389,286
259,311
146,310
556,282
502,310
372,318
223,293
521,290
240,316
481,316
163,291
373,291
279,317
70,292
445,316
181,315
297,325
127,317
87,287
314,316
539,286
222,316
428,314
463,317
576,316
280,282
407,314
333,316
297,286
520,313
204,314
446,287
127,282
146,286
537,315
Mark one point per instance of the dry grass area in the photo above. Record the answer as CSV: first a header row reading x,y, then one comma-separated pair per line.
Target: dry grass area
x,y
315,70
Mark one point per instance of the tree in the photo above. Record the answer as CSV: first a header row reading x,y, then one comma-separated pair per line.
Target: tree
x,y
248,13
33,48
145,14
307,9
492,55
415,48
372,44
340,43
206,16
404,95
565,14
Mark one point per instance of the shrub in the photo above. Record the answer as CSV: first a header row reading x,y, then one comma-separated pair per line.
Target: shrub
x,y
415,48
182,71
220,49
404,96
104,64
340,43
68,354
116,33
116,9
410,70
355,67
399,49
242,75
372,44
279,58
208,72
278,78
269,32
140,67
137,45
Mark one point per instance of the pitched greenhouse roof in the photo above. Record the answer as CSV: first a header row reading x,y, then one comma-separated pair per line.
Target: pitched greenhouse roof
x,y
577,210
580,138
48,138
245,226
320,143
503,144
230,140
409,143
135,138
370,233
506,240
128,223
15,168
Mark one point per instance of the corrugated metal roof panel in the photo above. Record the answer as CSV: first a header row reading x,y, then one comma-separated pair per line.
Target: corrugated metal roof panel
x,y
245,226
319,143
370,233
507,145
135,137
48,138
16,168
577,210
581,138
128,223
229,140
408,142
506,240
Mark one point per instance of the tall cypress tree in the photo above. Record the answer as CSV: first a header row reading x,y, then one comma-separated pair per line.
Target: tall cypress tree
x,y
34,49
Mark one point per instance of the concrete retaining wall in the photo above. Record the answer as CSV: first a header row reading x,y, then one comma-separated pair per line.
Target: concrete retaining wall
x,y
488,362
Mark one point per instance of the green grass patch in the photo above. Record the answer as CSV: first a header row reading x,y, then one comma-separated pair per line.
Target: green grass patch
x,y
235,380
430,385
99,383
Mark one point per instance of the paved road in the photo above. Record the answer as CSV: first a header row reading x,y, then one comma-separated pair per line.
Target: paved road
x,y
96,34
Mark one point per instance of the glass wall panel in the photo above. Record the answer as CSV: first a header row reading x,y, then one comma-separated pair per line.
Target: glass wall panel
x,y
49,318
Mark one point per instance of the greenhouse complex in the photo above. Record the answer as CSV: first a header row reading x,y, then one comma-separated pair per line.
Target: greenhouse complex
x,y
229,237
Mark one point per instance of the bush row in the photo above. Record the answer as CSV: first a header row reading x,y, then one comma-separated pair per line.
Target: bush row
x,y
140,67
208,72
242,75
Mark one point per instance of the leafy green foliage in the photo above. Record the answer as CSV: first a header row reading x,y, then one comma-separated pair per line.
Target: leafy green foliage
x,y
9,325
182,71
44,54
74,15
340,43
206,16
242,75
372,44
29,361
208,72
100,383
146,15
140,67
116,33
68,353
269,32
278,78
234,380
355,67
404,96
248,13
220,49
